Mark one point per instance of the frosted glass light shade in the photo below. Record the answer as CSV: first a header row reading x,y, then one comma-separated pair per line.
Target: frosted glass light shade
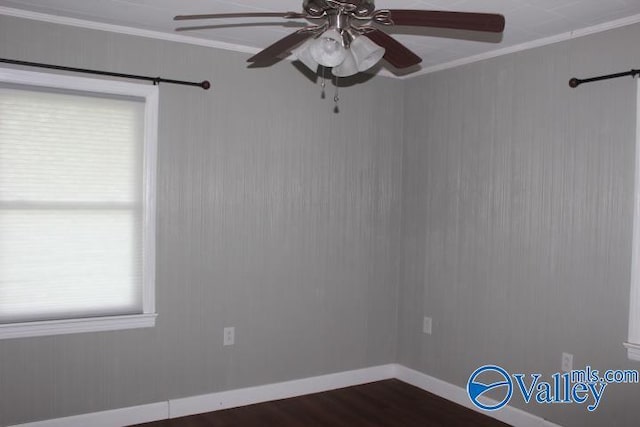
x,y
327,50
349,67
303,54
366,53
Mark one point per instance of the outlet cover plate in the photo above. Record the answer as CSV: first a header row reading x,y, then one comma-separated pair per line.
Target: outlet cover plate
x,y
229,336
426,327
567,362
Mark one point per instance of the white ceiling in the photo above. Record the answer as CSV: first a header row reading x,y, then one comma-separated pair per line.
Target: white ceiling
x,y
526,21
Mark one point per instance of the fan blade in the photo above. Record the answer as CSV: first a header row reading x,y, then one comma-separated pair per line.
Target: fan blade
x,y
280,47
395,52
286,24
455,20
287,15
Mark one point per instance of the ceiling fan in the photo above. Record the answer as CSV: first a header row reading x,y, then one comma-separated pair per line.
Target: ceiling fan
x,y
345,35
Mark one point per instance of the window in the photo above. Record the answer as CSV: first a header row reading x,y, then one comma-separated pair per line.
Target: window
x,y
77,204
633,344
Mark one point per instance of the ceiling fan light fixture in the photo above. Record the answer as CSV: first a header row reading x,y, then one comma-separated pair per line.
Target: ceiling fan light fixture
x,y
327,50
337,24
366,53
303,54
349,66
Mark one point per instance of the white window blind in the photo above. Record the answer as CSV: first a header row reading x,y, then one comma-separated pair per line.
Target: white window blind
x,y
73,205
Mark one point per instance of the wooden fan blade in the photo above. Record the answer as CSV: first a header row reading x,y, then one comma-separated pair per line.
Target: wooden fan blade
x,y
455,20
287,15
286,24
280,47
395,52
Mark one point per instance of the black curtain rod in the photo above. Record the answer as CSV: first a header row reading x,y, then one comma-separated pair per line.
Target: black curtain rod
x,y
204,84
574,82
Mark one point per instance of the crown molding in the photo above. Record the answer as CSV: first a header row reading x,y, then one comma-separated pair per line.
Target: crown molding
x,y
83,23
605,26
150,34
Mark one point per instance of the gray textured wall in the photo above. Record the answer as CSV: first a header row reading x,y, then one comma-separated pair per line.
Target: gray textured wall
x,y
274,216
517,218
516,205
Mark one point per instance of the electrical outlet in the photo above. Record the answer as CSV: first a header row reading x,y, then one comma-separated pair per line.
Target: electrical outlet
x,y
229,336
567,362
426,326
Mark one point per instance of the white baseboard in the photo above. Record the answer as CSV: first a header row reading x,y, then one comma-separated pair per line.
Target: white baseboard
x,y
222,400
176,408
114,418
248,396
510,415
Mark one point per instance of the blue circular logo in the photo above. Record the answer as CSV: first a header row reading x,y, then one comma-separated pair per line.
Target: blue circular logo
x,y
476,387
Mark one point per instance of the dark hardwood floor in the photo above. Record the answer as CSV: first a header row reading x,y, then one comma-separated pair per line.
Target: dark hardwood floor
x,y
389,403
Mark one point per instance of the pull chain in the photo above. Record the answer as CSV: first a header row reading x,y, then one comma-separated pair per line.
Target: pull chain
x,y
323,84
336,97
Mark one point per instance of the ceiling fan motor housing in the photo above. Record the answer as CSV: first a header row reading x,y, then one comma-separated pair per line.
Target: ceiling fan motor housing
x,y
359,8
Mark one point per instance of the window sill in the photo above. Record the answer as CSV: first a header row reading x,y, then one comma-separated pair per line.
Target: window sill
x,y
75,326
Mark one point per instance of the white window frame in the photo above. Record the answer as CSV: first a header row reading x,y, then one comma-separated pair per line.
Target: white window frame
x,y
149,93
633,342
